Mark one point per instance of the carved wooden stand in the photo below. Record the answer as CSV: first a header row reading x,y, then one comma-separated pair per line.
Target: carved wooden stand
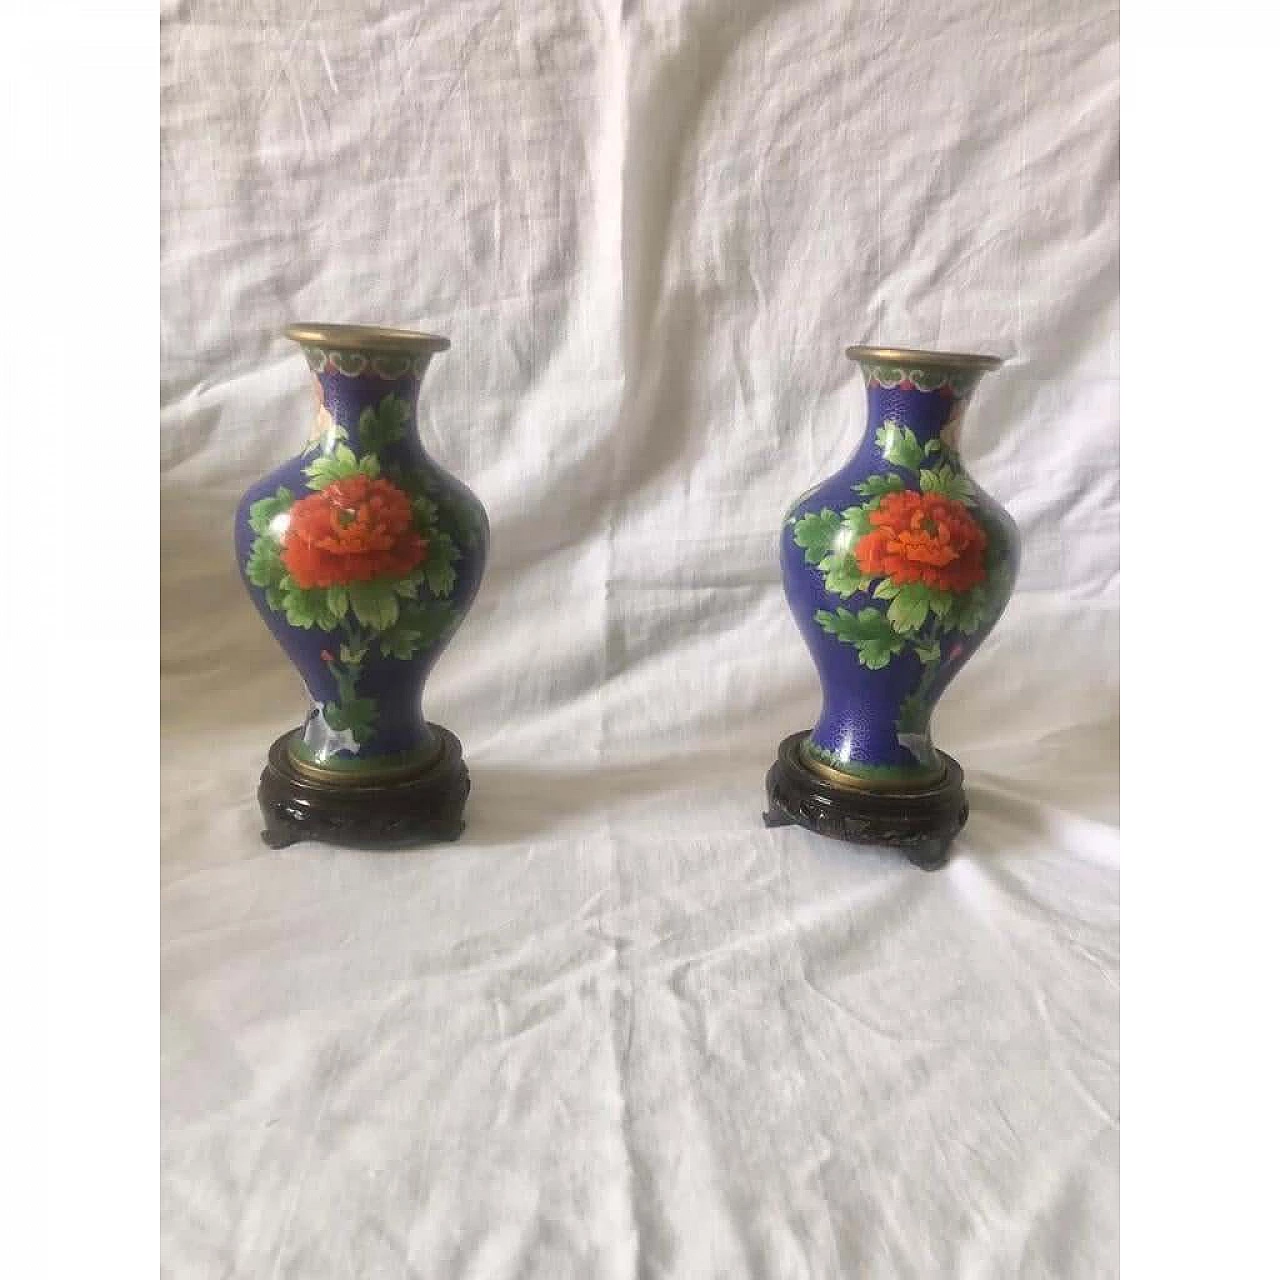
x,y
922,824
424,808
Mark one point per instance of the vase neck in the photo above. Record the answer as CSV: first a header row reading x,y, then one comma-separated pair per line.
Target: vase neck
x,y
930,403
357,367
343,401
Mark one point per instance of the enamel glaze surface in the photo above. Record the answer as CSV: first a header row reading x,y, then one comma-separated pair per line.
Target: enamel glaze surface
x,y
896,568
362,554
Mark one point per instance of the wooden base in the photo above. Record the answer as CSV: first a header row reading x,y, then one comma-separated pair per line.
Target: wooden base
x,y
420,809
922,824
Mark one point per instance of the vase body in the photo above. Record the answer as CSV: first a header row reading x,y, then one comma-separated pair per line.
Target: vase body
x,y
896,568
362,555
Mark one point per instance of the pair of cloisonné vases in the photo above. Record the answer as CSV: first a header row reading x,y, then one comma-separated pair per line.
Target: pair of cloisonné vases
x,y
363,555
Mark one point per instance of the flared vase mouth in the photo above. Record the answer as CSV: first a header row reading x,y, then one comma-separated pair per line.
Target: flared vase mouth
x,y
923,359
362,338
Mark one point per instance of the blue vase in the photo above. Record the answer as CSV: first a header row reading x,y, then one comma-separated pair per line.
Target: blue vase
x,y
363,555
896,568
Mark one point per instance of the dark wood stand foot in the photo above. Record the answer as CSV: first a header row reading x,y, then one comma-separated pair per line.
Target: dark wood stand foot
x,y
422,809
922,824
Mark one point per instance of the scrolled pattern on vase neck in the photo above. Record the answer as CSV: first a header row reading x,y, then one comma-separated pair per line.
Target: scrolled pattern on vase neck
x,y
958,383
384,365
366,351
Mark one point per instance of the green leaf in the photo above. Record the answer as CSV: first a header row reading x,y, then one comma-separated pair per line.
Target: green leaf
x,y
265,510
420,626
432,619
401,641
424,513
868,629
840,624
933,446
929,654
970,609
843,577
384,425
910,607
899,445
341,464
264,567
815,533
374,603
438,568
346,682
296,612
370,467
878,486
275,598
857,520
940,601
357,714
913,714
308,607
950,483
336,598
362,715
353,655
408,587
918,597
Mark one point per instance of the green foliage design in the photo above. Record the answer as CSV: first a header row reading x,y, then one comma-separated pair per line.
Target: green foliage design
x,y
384,425
815,533
949,482
340,464
868,630
878,486
265,510
899,445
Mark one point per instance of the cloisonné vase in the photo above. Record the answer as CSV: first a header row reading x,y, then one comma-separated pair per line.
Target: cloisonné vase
x,y
895,568
363,555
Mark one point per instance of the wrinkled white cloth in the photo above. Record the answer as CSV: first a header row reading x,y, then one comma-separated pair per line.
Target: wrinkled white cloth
x,y
621,1029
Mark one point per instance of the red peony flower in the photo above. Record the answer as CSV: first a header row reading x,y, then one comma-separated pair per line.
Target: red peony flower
x,y
923,537
351,531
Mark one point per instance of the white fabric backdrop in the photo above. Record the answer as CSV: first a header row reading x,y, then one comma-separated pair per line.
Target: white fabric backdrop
x,y
621,1029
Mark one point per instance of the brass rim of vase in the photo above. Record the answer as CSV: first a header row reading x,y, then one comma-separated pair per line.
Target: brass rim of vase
x,y
851,782
924,359
365,337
